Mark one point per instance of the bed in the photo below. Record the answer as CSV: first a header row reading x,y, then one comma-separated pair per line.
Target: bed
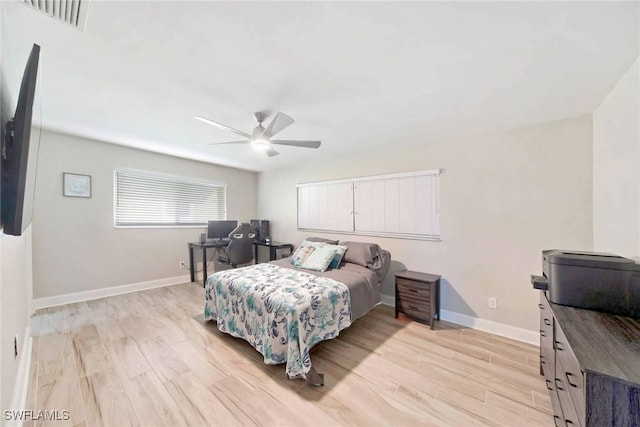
x,y
283,310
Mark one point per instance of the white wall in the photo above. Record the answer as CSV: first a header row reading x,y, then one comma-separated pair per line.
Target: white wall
x,y
15,267
15,285
505,197
75,245
616,168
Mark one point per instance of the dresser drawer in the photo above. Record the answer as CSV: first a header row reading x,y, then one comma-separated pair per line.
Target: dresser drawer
x,y
549,376
547,366
569,410
558,418
546,330
568,368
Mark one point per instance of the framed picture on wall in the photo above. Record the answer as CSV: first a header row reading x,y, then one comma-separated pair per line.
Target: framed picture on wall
x,y
76,185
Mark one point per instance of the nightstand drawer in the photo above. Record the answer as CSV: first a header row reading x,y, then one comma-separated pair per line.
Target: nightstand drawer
x,y
414,289
413,305
404,301
421,312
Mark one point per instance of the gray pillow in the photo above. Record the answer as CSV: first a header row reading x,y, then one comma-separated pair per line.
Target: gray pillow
x,y
361,253
368,255
322,240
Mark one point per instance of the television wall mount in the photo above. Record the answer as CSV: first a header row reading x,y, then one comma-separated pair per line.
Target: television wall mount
x,y
8,138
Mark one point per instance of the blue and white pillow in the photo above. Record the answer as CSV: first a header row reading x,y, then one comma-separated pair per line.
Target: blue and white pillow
x,y
320,258
337,259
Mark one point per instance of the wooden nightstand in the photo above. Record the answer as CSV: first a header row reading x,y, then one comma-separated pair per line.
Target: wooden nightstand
x,y
418,296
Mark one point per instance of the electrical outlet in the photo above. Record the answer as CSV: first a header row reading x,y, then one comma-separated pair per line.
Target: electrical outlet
x,y
15,347
493,303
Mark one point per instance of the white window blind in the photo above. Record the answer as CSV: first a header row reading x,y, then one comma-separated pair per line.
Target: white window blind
x,y
148,199
400,205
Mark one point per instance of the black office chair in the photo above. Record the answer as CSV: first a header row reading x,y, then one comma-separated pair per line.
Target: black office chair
x,y
240,248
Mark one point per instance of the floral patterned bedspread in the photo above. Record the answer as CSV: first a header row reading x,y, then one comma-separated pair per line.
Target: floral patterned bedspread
x,y
280,311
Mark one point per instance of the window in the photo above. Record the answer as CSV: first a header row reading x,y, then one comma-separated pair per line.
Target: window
x,y
147,199
400,205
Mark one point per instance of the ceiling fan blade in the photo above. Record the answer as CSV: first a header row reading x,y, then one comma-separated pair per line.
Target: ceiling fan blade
x,y
221,126
271,151
246,141
305,144
279,122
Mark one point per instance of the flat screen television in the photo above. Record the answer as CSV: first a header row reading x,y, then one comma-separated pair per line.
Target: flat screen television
x,y
220,229
19,156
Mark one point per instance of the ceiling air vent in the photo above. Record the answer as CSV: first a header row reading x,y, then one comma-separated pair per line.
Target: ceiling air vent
x,y
72,12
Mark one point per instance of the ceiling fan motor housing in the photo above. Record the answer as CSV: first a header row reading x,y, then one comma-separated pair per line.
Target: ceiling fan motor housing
x,y
260,116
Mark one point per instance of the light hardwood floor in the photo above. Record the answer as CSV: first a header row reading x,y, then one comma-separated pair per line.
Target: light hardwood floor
x,y
147,358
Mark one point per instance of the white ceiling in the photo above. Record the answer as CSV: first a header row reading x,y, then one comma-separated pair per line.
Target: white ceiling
x,y
357,76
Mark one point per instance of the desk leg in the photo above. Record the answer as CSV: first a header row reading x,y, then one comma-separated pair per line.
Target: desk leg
x,y
192,270
272,253
255,253
438,299
204,266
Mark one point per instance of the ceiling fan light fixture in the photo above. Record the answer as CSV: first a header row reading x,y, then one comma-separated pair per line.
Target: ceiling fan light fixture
x,y
260,144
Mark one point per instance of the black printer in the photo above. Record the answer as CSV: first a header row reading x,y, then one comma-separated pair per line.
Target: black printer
x,y
594,281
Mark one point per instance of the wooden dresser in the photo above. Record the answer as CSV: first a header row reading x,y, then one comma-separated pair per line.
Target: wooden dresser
x,y
591,364
418,296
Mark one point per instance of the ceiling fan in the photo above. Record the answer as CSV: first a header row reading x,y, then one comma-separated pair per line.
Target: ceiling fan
x,y
260,138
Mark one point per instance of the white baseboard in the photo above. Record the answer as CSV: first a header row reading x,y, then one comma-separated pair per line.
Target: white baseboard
x,y
513,332
19,399
106,292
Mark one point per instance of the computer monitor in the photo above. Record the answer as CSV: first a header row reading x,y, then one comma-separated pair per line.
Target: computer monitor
x,y
220,229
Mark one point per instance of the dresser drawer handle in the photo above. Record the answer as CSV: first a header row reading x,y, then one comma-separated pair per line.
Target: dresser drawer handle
x,y
542,360
568,422
559,387
542,333
412,307
415,291
555,421
569,375
541,307
549,387
547,322
559,346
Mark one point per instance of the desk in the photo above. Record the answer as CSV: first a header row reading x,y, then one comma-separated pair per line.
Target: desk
x,y
204,247
273,249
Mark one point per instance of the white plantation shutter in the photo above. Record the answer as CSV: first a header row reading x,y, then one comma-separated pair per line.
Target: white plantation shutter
x,y
147,199
400,205
326,206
